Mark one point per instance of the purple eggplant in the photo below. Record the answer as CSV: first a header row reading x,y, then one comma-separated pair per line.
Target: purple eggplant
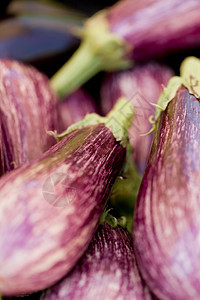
x,y
141,85
166,226
50,208
74,108
154,28
28,108
106,271
126,32
1,153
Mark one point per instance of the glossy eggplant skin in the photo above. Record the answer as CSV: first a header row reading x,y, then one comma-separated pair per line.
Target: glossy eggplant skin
x,y
28,108
74,108
106,271
50,208
166,220
154,28
142,85
1,153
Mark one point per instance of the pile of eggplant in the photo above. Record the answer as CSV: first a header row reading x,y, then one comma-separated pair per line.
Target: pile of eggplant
x,y
99,173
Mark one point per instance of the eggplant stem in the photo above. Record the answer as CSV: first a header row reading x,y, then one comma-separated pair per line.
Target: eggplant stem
x,y
122,222
81,66
112,221
108,218
100,50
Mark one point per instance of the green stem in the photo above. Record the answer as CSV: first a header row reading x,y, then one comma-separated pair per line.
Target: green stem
x,y
122,221
112,221
108,218
100,50
81,67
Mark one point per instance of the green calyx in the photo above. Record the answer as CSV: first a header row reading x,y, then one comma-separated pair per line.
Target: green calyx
x,y
118,121
106,217
190,72
105,45
100,50
189,77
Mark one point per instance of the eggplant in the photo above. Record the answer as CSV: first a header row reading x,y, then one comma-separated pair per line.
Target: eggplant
x,y
166,225
1,153
106,271
28,108
116,37
50,208
142,85
28,33
74,108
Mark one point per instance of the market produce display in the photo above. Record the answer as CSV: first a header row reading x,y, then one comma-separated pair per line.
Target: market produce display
x,y
52,205
99,150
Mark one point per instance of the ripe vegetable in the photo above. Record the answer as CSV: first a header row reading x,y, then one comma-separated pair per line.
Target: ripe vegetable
x,y
28,108
142,85
50,208
74,108
1,153
126,32
106,271
166,221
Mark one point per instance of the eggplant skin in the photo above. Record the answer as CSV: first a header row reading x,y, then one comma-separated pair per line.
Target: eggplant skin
x,y
142,85
74,107
166,226
45,227
163,30
106,271
28,108
1,153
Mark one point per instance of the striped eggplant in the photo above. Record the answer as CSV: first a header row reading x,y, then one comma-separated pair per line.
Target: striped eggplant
x,y
50,208
141,85
166,228
1,153
106,271
28,108
74,108
126,32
